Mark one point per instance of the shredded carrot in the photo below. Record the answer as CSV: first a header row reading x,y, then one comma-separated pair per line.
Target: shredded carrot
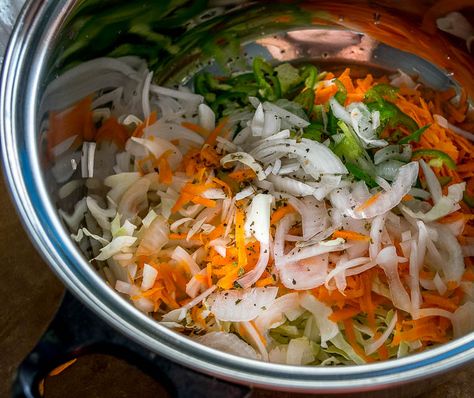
x,y
280,213
174,236
324,94
351,338
262,339
209,274
223,185
62,367
369,202
242,174
138,132
76,120
240,236
203,201
350,235
344,314
166,174
211,139
196,128
439,301
468,275
265,282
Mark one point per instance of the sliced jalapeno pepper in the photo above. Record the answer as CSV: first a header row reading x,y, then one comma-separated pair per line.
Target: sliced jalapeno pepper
x,y
438,158
268,83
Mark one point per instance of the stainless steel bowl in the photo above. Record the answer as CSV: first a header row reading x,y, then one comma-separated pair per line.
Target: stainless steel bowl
x,y
46,31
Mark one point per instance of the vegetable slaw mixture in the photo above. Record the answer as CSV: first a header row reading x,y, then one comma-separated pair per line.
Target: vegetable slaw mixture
x,y
285,214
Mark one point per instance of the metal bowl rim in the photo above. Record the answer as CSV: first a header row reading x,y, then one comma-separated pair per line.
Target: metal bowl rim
x,y
36,26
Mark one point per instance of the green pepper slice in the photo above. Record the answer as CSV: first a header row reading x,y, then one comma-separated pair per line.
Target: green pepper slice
x,y
468,199
269,85
415,136
438,158
377,92
390,114
360,174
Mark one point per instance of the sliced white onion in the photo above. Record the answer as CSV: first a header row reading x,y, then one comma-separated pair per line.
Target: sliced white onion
x,y
227,342
321,312
257,223
290,185
255,339
402,79
172,131
395,152
178,94
134,199
446,205
174,226
439,284
246,159
258,121
154,238
373,346
275,315
117,245
158,147
254,275
245,193
101,215
340,112
241,305
119,184
149,277
304,274
388,261
432,182
288,117
386,201
463,320
207,118
301,253
182,256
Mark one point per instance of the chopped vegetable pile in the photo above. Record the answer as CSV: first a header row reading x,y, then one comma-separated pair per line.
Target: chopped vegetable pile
x,y
285,214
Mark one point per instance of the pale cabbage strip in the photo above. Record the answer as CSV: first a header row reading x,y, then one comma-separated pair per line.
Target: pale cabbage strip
x,y
243,241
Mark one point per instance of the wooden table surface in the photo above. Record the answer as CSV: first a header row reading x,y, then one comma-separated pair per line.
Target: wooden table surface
x,y
29,296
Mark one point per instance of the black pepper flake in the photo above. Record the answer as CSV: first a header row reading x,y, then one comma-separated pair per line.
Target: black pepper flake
x,y
294,282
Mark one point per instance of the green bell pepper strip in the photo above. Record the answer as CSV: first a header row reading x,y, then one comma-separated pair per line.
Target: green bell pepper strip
x,y
444,180
228,101
438,158
341,94
306,100
269,85
288,76
377,92
313,132
349,147
309,74
390,114
415,136
468,199
332,123
360,174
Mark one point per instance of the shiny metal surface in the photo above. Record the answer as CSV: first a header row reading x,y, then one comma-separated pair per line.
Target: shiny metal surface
x,y
25,67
